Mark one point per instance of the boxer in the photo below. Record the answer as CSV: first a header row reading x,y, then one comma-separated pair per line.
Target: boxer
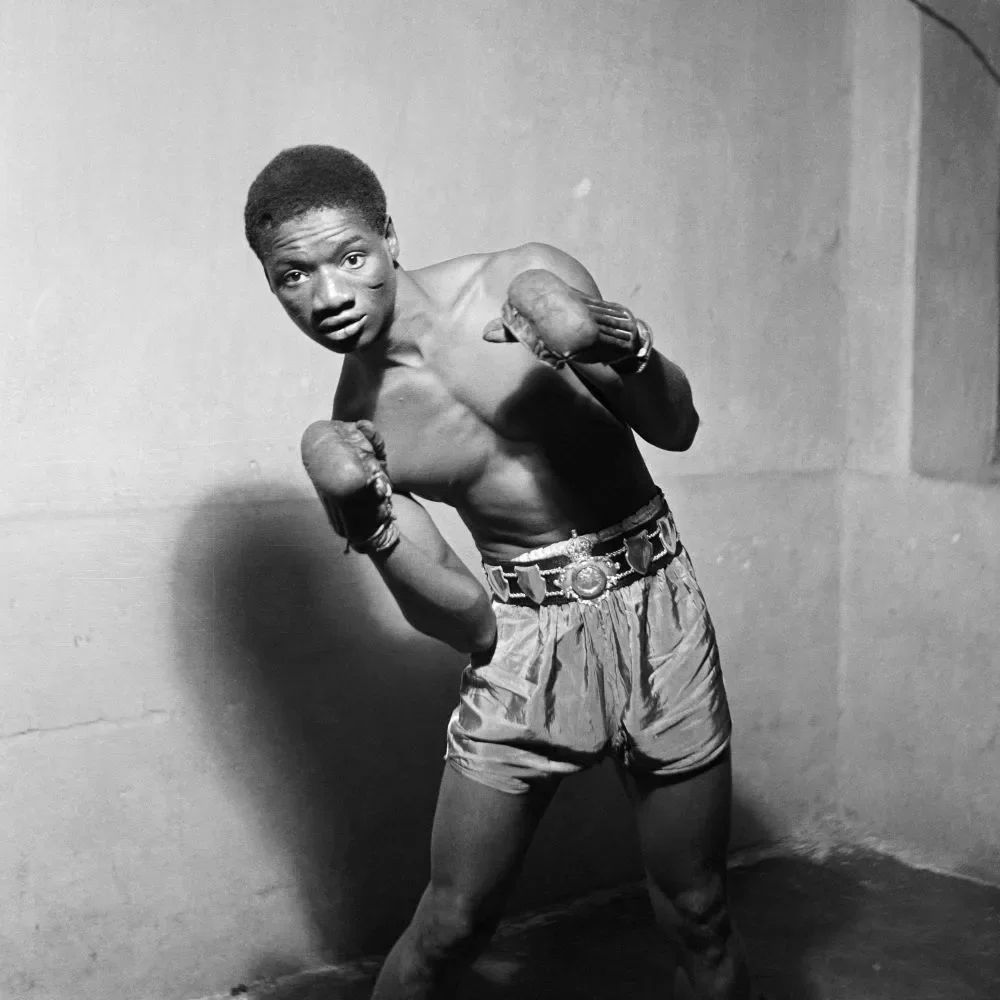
x,y
505,385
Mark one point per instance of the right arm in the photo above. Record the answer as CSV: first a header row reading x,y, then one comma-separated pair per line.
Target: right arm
x,y
432,586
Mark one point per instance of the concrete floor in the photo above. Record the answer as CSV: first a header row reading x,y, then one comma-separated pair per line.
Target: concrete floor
x,y
856,927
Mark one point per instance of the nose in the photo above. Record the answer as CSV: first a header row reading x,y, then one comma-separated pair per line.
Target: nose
x,y
331,293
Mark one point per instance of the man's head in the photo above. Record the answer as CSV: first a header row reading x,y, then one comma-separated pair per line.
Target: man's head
x,y
316,218
308,177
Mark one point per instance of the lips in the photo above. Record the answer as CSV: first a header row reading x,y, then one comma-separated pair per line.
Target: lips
x,y
340,329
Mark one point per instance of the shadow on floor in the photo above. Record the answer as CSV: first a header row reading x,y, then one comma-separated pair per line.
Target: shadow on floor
x,y
329,715
856,927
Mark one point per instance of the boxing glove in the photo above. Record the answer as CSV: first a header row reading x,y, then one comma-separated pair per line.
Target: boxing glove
x,y
559,323
346,462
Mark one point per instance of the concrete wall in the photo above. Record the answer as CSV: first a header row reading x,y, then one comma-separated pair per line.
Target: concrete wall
x,y
219,746
956,349
919,683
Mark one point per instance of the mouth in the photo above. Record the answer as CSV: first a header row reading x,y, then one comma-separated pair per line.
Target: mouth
x,y
338,332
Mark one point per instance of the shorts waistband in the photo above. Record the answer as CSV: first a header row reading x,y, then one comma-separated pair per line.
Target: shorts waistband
x,y
583,568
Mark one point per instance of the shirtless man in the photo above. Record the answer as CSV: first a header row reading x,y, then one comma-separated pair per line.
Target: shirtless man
x,y
592,638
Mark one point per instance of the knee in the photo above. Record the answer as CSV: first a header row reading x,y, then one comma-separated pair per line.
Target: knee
x,y
701,913
449,923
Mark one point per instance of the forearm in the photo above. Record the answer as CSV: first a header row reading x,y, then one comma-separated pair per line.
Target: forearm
x,y
433,587
437,599
556,310
658,404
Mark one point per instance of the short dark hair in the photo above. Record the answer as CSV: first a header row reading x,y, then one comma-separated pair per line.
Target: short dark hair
x,y
302,178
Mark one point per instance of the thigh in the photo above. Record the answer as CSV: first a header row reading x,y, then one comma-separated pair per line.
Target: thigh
x,y
683,823
525,714
481,836
678,714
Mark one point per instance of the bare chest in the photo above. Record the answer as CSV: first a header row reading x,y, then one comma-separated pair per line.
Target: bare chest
x,y
478,413
437,445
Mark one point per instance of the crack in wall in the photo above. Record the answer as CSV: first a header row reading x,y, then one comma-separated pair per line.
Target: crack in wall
x,y
113,723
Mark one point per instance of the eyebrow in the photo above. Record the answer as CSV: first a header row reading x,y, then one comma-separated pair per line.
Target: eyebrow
x,y
339,247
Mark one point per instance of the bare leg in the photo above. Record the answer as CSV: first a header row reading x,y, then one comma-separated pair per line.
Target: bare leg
x,y
683,828
479,841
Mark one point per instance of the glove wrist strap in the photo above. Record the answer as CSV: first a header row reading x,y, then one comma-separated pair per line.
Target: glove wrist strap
x,y
366,520
383,541
636,362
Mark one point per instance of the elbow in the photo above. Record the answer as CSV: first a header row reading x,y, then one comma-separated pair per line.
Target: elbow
x,y
481,637
676,435
472,631
686,434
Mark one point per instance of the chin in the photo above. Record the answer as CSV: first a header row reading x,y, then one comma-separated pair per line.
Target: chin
x,y
343,346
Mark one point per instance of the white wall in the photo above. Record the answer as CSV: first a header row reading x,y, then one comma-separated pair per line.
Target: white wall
x,y
919,677
219,746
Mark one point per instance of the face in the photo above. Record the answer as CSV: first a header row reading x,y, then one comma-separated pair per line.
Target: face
x,y
334,275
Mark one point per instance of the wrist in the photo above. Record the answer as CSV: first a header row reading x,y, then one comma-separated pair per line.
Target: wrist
x,y
366,519
381,543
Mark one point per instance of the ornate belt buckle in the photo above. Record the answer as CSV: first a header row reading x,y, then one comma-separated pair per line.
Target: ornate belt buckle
x,y
587,577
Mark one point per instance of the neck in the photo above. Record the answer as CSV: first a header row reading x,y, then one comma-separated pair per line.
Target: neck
x,y
402,342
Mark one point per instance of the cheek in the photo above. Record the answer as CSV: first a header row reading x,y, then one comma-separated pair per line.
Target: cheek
x,y
383,283
295,310
383,275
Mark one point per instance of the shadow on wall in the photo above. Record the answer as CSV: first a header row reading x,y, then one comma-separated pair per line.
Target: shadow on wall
x,y
330,723
328,716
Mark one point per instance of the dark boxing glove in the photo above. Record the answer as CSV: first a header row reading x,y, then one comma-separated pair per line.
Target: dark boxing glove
x,y
558,324
347,465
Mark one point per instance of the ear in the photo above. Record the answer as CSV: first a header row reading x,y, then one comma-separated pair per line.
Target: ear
x,y
391,239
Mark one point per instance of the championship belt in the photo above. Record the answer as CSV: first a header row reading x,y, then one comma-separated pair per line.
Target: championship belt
x,y
584,570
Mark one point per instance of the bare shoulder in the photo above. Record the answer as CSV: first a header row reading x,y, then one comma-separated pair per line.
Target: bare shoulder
x,y
488,275
505,265
450,280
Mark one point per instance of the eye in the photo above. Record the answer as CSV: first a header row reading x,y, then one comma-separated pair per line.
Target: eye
x,y
292,278
354,259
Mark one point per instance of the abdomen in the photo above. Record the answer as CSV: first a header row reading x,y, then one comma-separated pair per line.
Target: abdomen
x,y
529,498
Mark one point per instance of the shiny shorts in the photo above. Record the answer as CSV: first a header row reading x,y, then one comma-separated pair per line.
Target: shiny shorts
x,y
635,675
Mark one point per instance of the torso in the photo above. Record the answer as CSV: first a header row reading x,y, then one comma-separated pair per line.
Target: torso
x,y
524,453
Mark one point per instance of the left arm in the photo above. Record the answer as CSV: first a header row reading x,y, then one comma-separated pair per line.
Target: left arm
x,y
656,403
